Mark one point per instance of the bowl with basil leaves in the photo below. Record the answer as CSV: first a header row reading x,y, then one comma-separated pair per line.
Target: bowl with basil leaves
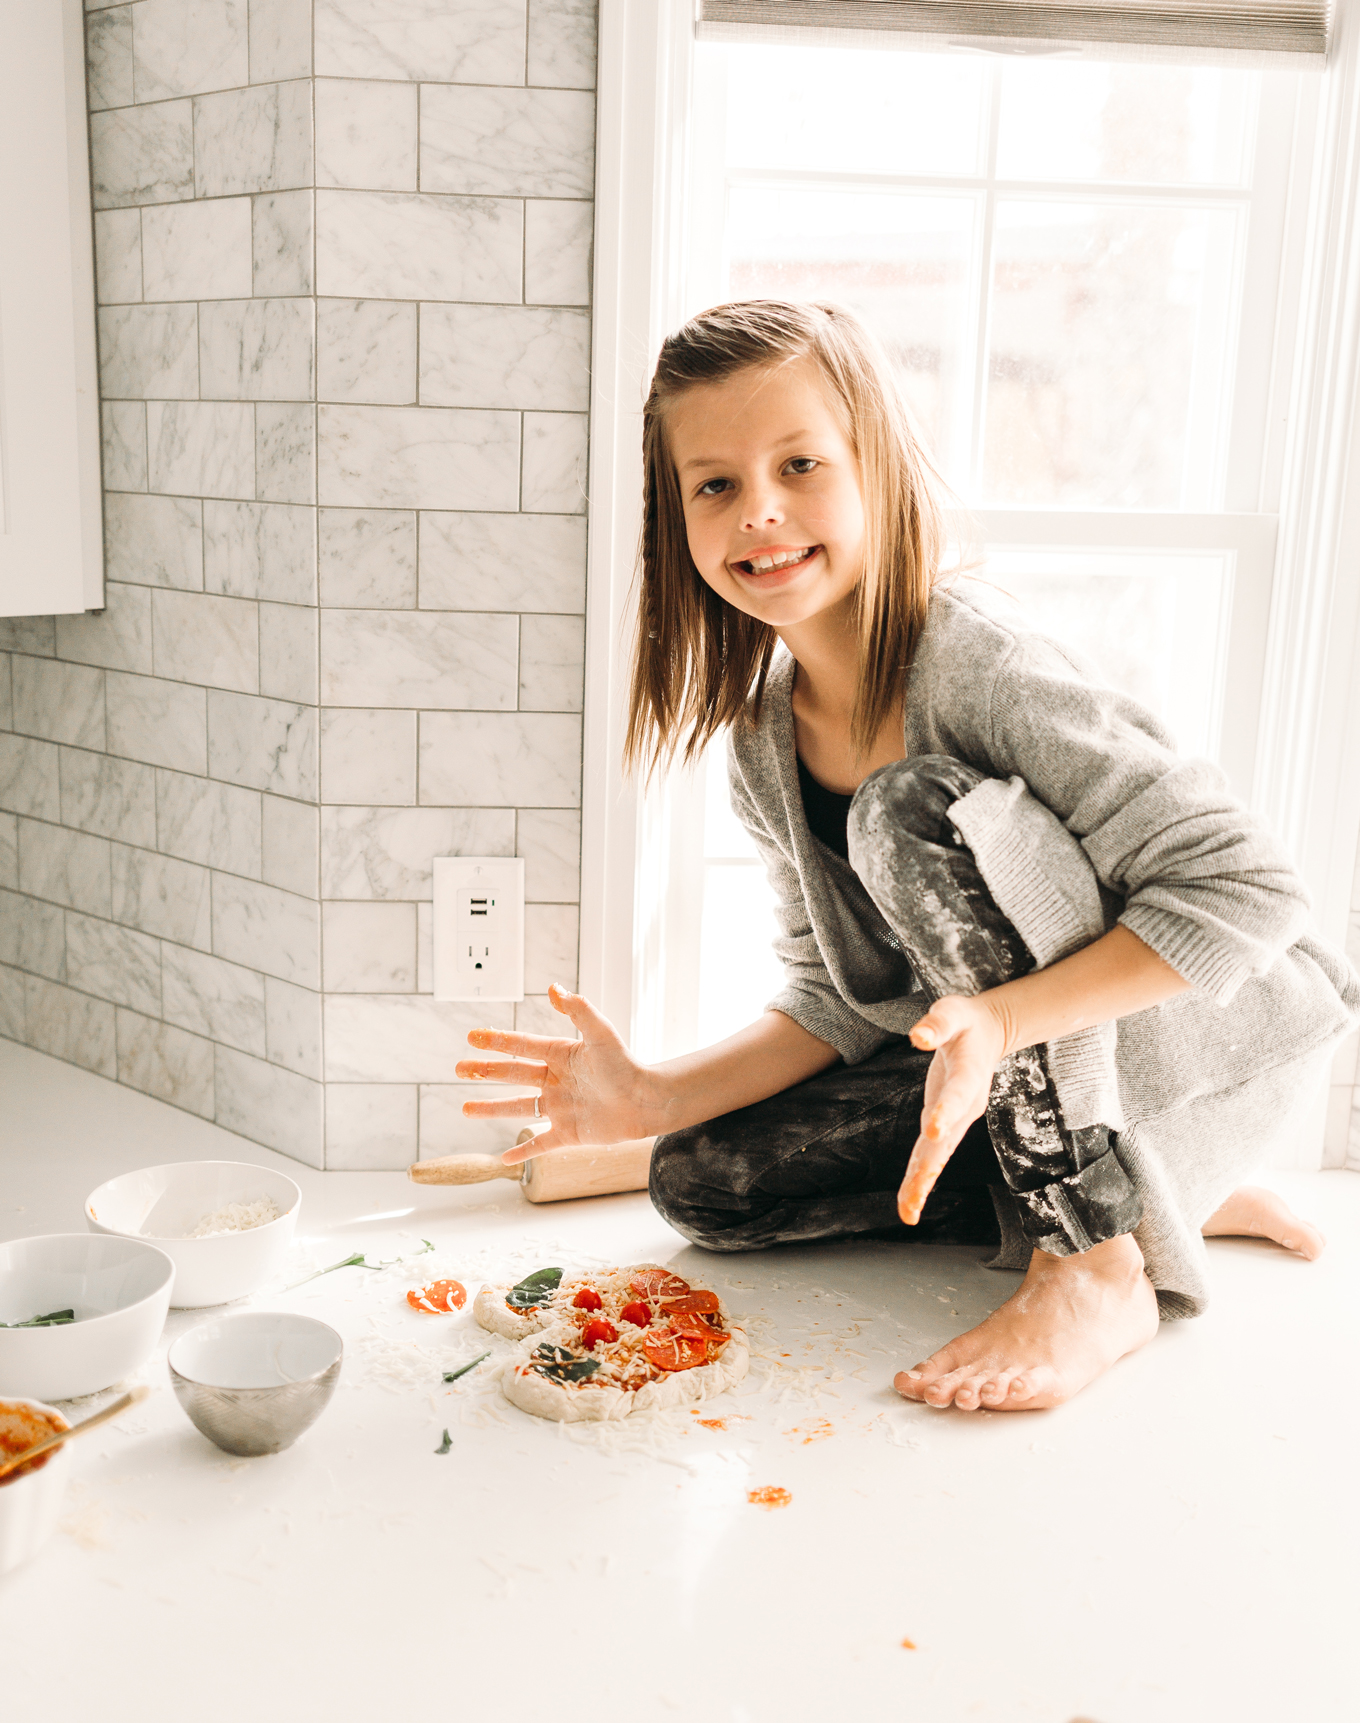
x,y
78,1311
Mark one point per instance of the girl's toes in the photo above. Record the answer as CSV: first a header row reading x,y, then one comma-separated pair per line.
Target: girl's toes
x,y
943,1391
912,1383
966,1394
993,1390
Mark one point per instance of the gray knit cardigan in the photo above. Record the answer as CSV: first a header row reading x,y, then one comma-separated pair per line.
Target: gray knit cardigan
x,y
1088,817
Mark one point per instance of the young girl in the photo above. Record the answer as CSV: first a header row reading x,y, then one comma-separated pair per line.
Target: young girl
x,y
985,860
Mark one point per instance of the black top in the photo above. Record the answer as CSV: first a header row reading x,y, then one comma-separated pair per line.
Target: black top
x,y
827,813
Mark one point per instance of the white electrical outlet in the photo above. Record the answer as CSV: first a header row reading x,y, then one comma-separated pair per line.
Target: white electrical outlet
x,y
479,928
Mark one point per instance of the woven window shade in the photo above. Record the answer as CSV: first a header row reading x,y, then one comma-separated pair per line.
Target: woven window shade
x,y
1269,27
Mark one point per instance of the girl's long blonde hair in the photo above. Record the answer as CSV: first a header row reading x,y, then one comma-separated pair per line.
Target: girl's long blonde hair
x,y
699,663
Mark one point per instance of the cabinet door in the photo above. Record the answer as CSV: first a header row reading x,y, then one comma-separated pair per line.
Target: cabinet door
x,y
51,534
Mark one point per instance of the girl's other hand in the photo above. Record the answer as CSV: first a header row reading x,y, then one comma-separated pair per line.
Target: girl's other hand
x,y
968,1041
592,1089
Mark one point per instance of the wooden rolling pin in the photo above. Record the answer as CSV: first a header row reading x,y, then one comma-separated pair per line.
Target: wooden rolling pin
x,y
551,1178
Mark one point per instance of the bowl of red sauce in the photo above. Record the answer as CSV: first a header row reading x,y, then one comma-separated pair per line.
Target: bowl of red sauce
x,y
31,1496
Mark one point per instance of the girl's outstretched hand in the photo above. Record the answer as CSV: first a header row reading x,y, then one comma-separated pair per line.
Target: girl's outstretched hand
x,y
968,1041
591,1089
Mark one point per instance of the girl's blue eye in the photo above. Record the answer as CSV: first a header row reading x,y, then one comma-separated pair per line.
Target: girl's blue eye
x,y
706,489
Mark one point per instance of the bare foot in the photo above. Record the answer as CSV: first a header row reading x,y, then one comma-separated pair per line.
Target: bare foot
x,y
1072,1318
1255,1213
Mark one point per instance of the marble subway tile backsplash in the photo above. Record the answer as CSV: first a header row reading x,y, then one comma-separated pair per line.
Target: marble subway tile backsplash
x,y
142,155
184,47
256,350
366,351
118,255
512,562
256,139
197,250
164,1061
367,558
366,134
260,550
506,142
422,40
400,245
154,540
344,345
280,40
418,457
511,356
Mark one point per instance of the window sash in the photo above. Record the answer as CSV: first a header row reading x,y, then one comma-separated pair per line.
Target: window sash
x,y
1291,27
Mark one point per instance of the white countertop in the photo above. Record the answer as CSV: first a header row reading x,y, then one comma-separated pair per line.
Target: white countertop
x,y
1176,1546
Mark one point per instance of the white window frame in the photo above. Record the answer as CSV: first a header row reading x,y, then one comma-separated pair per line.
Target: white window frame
x,y
1302,750
51,509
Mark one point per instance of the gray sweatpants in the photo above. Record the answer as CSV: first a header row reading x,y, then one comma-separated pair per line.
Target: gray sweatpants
x,y
825,1159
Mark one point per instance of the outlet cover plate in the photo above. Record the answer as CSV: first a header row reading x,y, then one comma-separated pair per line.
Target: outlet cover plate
x,y
479,928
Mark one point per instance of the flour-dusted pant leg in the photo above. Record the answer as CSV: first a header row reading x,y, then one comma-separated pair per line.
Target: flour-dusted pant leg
x,y
824,1159
1069,1186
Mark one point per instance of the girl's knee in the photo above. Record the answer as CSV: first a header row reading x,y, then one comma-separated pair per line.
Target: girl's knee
x,y
911,798
683,1196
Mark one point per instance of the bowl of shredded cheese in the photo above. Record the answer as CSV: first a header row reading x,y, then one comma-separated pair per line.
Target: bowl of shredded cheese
x,y
226,1225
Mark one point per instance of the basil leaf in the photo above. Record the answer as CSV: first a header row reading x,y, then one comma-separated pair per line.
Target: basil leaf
x,y
445,1445
535,1289
558,1365
53,1319
453,1375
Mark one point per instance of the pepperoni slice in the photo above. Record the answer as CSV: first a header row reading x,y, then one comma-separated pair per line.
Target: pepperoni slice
x,y
439,1298
588,1299
670,1351
692,1327
638,1314
657,1283
691,1304
597,1330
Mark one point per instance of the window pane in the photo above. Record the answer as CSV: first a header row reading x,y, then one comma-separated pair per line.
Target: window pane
x,y
1108,377
724,834
902,262
1156,125
738,972
1154,625
851,110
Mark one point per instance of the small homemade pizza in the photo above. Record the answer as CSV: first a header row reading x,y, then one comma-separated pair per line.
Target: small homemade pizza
x,y
604,1345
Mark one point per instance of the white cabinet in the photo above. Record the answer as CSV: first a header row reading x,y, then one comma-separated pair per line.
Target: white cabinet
x,y
51,547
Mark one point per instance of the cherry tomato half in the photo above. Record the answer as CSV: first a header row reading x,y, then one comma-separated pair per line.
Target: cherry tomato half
x,y
638,1314
588,1299
597,1330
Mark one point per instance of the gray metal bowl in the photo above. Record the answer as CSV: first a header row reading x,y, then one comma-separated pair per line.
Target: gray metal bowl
x,y
252,1383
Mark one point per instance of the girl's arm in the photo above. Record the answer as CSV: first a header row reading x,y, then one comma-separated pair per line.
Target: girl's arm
x,y
1113,977
594,1091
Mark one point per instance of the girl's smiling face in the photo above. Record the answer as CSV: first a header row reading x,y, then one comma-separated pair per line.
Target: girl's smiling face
x,y
771,493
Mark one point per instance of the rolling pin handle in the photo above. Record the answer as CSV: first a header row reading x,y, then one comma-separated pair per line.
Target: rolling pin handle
x,y
461,1170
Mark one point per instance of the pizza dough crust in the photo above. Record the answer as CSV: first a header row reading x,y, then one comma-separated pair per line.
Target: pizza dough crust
x,y
532,1392
491,1310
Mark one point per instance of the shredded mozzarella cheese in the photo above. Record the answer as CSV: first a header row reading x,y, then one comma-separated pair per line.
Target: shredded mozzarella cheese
x,y
236,1217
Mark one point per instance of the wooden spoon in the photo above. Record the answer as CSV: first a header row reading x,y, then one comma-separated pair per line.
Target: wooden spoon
x,y
133,1397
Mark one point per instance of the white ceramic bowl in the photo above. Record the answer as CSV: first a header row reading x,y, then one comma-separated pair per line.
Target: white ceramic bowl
x,y
30,1503
254,1382
163,1204
119,1289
